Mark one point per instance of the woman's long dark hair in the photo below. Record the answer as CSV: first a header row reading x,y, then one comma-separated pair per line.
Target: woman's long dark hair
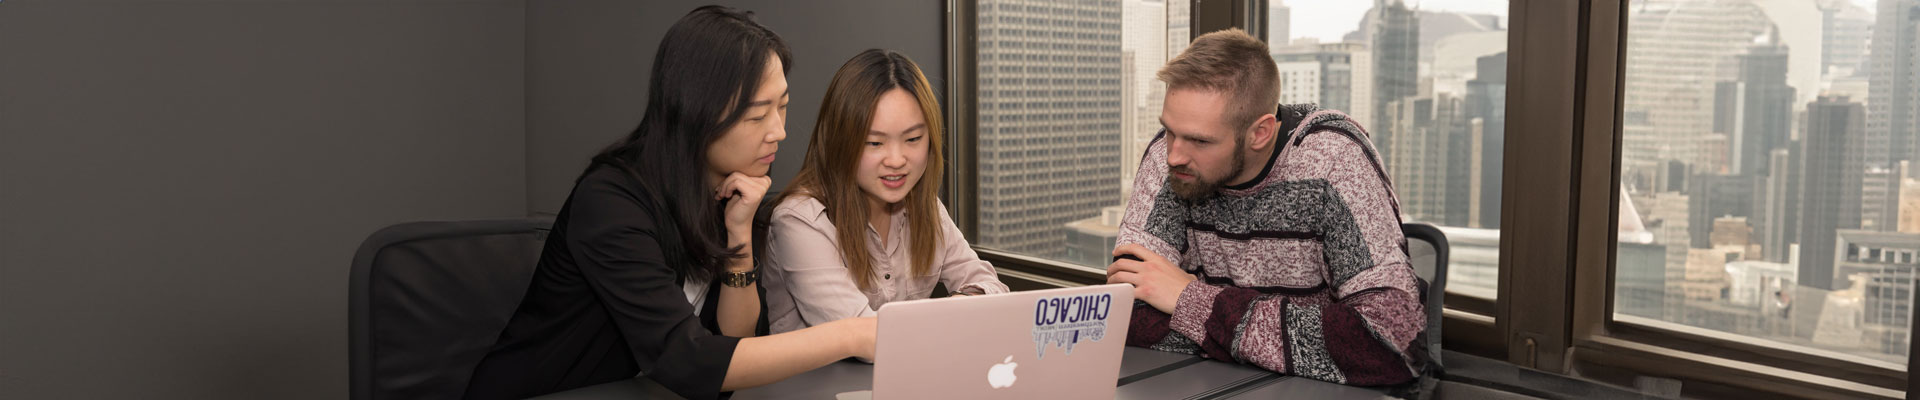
x,y
704,76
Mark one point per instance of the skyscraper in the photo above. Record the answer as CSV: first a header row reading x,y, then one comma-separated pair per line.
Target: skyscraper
x,y
1845,28
1455,59
1667,216
1394,37
1431,168
1676,53
1486,108
1179,26
1832,174
1143,45
1777,209
1893,99
1887,260
1279,19
1299,78
1714,196
1049,120
1879,196
1319,73
1766,107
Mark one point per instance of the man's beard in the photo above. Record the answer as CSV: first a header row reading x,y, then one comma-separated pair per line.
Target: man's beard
x,y
1202,188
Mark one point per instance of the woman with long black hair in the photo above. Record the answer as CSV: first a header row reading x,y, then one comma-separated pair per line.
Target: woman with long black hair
x,y
650,267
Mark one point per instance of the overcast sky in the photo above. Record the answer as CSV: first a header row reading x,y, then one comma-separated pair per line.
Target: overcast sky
x,y
1331,19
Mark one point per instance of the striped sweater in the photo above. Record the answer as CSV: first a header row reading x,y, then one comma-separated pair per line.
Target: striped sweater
x,y
1303,270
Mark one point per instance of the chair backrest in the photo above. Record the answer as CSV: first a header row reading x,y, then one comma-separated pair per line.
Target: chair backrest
x,y
1427,251
427,300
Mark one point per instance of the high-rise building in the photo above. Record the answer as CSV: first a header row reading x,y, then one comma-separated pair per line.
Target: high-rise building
x,y
1880,196
1894,83
1887,261
1319,73
1676,53
1487,110
1456,59
1893,102
1432,168
1777,204
1715,196
1845,30
1667,216
1640,280
1832,173
1299,79
1433,26
1729,99
1765,109
1049,145
1395,40
1279,18
1143,47
1179,26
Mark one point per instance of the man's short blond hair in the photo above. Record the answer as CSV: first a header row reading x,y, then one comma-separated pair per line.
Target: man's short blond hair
x,y
1233,63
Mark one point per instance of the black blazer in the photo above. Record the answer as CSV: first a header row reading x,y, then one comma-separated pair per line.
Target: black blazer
x,y
605,305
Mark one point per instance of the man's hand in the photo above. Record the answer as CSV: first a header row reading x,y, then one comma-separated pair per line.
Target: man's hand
x,y
1154,279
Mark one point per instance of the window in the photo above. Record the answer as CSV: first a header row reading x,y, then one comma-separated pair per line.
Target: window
x,y
1764,157
1076,103
1668,156
1050,147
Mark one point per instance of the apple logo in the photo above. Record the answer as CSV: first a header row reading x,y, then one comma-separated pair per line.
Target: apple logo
x,y
1001,375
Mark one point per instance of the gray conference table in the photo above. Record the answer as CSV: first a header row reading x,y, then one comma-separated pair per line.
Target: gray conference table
x,y
1144,374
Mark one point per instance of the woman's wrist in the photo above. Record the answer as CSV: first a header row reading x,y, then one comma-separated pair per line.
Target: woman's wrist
x,y
739,235
740,265
849,338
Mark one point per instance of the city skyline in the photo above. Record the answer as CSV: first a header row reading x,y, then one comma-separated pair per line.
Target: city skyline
x,y
1760,157
1751,143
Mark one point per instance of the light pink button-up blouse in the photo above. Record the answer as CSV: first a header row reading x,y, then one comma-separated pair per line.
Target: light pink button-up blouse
x,y
808,284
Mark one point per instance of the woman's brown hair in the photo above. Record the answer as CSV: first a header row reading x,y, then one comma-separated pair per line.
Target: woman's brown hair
x,y
834,153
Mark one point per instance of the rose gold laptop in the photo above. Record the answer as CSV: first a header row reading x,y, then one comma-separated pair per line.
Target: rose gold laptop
x,y
1047,344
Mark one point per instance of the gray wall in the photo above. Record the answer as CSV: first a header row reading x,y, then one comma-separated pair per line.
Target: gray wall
x,y
183,182
588,62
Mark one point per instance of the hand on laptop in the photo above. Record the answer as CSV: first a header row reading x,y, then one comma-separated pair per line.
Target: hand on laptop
x,y
1154,279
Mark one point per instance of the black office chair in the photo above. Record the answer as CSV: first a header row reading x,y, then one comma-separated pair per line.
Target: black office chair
x,y
427,300
1427,251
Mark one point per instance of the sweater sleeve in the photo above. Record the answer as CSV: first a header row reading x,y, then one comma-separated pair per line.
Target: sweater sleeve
x,y
1360,337
1149,327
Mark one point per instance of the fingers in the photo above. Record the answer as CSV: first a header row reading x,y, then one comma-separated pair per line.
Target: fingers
x,y
728,186
1127,277
1137,251
751,187
1124,266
